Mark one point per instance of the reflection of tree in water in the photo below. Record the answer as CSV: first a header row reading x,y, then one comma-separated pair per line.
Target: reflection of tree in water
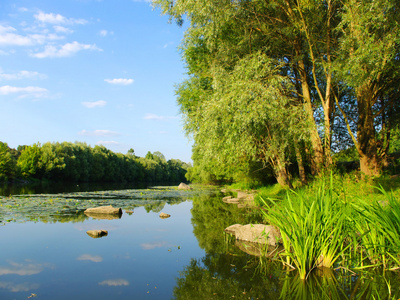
x,y
154,206
225,276
225,272
210,216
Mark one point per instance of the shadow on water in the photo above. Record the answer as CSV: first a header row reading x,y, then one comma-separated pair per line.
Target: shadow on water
x,y
225,272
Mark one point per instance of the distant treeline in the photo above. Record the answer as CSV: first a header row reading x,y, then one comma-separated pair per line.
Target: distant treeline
x,y
78,162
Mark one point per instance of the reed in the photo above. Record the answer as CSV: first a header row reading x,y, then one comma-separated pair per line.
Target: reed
x,y
379,227
311,228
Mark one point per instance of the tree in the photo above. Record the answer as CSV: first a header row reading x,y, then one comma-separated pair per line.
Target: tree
x,y
334,54
28,162
8,163
368,61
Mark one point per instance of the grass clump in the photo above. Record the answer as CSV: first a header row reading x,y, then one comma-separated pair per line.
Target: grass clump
x,y
324,226
311,229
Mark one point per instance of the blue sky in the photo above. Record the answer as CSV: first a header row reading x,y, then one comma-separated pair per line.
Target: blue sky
x,y
95,71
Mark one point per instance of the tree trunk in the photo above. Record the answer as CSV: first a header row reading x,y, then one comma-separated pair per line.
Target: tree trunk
x,y
366,135
318,155
281,173
300,163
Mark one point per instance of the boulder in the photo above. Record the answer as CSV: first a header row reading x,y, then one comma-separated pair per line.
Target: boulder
x,y
97,233
164,215
108,210
255,233
184,186
232,201
233,228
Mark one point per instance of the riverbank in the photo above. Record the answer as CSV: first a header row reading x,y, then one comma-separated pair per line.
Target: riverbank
x,y
339,222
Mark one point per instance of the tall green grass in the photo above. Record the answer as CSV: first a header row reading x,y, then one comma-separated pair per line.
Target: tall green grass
x,y
327,228
379,226
311,229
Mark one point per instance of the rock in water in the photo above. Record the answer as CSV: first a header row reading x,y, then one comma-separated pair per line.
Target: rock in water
x,y
255,233
109,210
184,186
97,233
164,215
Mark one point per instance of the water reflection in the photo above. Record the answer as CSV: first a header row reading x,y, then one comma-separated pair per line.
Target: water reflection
x,y
23,269
93,258
115,282
144,252
228,271
20,287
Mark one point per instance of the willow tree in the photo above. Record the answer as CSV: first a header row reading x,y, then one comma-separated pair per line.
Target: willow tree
x,y
333,52
368,62
290,32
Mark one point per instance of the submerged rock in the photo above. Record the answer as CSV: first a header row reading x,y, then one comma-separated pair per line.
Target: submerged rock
x,y
184,186
257,249
164,215
97,233
255,233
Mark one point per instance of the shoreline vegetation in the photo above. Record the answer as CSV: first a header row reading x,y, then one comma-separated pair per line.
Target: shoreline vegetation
x,y
80,163
340,222
305,94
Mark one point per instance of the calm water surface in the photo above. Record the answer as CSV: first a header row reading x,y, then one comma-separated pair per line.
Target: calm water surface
x,y
45,252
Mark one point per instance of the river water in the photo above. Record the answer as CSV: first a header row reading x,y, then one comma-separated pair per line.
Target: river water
x,y
45,252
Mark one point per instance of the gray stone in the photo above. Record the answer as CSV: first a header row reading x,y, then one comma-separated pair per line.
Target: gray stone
x,y
184,186
164,215
109,210
255,233
97,233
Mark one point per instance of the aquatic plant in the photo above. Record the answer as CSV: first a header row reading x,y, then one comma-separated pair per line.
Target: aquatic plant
x,y
378,224
311,228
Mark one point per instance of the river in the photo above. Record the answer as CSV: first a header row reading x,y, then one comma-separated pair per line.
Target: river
x,y
45,252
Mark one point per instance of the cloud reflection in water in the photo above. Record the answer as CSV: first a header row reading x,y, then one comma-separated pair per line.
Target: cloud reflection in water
x,y
115,282
93,258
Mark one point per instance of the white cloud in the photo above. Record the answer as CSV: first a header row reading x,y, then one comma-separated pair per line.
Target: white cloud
x,y
68,49
9,38
57,19
21,75
4,29
99,132
115,282
119,81
93,104
93,258
158,118
62,29
103,32
25,91
114,143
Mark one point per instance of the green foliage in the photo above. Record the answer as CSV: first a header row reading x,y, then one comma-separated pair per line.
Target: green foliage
x,y
311,228
29,161
347,223
279,82
8,163
78,162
